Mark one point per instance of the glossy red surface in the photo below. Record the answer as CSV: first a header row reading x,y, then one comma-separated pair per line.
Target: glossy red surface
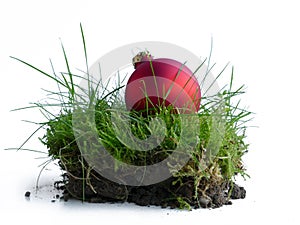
x,y
164,82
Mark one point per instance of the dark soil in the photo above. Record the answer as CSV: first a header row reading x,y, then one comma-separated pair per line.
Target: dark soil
x,y
164,194
27,194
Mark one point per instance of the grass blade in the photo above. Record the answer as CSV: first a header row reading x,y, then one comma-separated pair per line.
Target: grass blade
x,y
35,68
71,89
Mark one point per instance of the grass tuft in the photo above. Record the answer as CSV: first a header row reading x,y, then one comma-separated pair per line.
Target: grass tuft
x,y
61,142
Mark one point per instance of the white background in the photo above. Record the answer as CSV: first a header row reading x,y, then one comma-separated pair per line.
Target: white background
x,y
260,38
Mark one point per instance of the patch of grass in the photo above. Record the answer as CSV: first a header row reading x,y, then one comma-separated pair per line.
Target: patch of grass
x,y
223,166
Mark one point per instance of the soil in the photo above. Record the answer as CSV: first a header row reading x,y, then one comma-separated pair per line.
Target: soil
x,y
27,194
164,194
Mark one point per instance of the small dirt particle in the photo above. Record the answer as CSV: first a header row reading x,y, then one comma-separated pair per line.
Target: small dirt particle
x,y
57,196
53,200
228,203
27,194
66,196
238,192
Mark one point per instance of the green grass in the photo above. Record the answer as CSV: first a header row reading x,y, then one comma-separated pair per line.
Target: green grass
x,y
61,142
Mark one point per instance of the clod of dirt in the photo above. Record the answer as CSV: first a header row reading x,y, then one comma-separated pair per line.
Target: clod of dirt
x,y
204,202
27,194
59,185
66,196
238,192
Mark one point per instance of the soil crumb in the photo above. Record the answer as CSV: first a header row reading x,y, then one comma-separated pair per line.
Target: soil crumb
x,y
27,194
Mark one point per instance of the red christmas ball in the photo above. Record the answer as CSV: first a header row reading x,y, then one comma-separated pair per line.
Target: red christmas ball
x,y
161,82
